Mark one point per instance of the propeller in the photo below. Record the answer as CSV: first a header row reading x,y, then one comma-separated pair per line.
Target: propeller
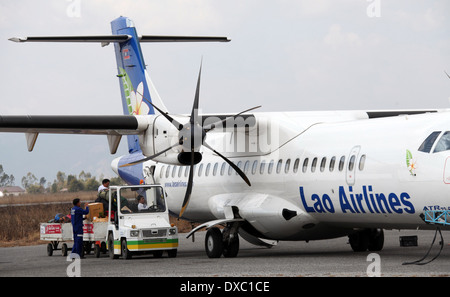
x,y
192,137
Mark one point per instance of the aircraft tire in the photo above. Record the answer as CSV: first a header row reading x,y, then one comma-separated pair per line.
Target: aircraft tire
x,y
214,243
359,241
376,240
231,249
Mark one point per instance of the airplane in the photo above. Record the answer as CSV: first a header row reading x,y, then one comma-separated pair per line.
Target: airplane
x,y
266,176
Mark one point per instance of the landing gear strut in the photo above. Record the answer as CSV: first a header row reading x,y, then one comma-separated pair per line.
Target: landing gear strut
x,y
224,242
367,239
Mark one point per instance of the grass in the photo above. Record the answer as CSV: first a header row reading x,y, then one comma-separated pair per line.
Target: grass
x,y
19,225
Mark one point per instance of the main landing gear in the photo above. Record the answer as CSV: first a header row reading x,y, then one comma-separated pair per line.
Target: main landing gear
x,y
225,242
367,239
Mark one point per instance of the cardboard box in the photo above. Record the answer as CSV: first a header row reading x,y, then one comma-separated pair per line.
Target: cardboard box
x,y
94,210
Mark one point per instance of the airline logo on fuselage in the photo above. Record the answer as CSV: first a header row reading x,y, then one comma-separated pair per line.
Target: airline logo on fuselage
x,y
366,201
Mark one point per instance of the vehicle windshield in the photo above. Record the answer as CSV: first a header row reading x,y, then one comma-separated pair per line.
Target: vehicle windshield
x,y
142,200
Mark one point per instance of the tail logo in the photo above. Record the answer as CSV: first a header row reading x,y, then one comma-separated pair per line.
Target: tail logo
x,y
126,54
134,99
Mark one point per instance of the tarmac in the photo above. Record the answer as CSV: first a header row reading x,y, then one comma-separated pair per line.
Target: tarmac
x,y
325,258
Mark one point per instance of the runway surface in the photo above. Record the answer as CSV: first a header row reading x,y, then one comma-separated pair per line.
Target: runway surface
x,y
327,258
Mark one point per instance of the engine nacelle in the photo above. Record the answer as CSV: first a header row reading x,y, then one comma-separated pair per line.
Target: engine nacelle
x,y
160,135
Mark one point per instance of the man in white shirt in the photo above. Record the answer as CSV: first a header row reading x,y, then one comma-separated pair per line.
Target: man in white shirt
x,y
104,185
142,203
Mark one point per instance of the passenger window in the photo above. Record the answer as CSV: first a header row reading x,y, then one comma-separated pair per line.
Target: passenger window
x,y
207,169
313,165
222,168
286,167
332,163
279,164
247,164
341,163
200,169
255,166
186,172
305,165
230,170
297,161
180,171
168,171
322,164
216,165
269,170
429,141
443,143
351,163
174,171
263,167
362,162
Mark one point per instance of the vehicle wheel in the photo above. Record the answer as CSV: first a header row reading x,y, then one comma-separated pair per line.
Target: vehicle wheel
x,y
103,247
376,240
126,254
158,254
359,241
231,248
87,247
172,253
213,243
49,249
64,250
111,247
97,251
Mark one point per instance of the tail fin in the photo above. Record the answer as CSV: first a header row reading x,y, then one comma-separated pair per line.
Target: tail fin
x,y
135,84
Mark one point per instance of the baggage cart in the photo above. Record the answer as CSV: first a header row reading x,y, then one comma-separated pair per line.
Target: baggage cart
x,y
56,233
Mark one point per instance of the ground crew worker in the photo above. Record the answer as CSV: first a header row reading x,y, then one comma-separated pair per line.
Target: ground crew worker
x,y
104,185
77,226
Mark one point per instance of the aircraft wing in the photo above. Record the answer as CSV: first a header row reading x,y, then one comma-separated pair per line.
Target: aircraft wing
x,y
113,126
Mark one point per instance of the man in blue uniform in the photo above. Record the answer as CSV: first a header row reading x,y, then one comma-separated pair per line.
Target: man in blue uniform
x,y
77,226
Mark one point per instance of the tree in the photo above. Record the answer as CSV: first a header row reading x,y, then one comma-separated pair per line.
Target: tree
x,y
28,180
5,179
31,184
74,185
91,184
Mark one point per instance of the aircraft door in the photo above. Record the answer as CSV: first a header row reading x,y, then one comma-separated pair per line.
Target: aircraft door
x,y
351,165
149,174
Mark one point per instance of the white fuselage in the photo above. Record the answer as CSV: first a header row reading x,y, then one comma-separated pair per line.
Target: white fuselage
x,y
337,171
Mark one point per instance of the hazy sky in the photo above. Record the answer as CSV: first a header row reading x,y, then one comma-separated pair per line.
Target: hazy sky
x,y
285,55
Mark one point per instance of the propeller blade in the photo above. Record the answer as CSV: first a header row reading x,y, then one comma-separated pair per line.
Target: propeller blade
x,y
194,113
149,158
187,196
213,125
447,74
239,171
168,117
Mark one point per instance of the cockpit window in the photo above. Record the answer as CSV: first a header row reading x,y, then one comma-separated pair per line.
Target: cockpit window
x,y
428,143
443,143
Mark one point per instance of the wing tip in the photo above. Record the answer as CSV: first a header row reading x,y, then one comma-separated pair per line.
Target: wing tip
x,y
18,39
